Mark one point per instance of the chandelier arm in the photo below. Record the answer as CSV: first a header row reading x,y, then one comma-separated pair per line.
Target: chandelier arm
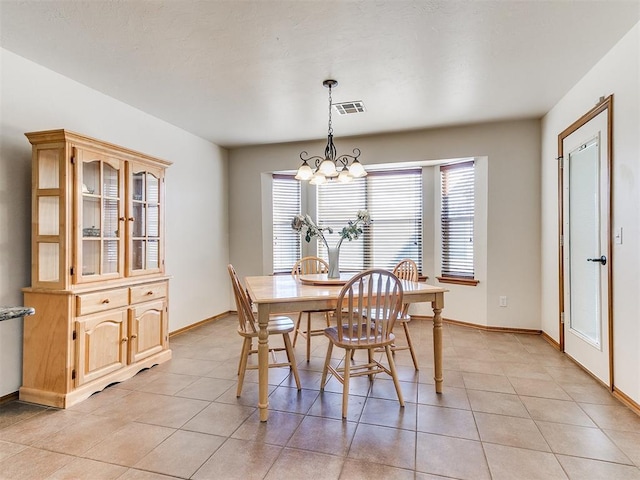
x,y
345,159
314,159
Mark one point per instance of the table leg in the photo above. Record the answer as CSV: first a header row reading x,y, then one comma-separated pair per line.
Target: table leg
x,y
437,305
263,362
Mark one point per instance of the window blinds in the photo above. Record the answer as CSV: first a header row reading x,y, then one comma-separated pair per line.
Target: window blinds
x,y
286,204
457,214
394,201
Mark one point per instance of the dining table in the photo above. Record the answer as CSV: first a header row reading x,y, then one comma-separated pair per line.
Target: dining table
x,y
282,294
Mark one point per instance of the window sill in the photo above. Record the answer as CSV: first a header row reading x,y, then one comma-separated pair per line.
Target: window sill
x,y
459,281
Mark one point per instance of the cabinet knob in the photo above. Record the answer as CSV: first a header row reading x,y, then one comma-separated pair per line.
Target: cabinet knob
x,y
106,300
150,292
131,219
124,340
134,336
122,219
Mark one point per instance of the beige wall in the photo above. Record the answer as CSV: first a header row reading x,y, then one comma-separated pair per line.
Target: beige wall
x,y
511,266
34,98
618,74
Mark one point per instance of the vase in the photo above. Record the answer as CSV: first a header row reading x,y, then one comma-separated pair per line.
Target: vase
x,y
334,262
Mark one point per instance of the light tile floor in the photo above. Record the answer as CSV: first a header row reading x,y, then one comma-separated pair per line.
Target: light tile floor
x,y
512,408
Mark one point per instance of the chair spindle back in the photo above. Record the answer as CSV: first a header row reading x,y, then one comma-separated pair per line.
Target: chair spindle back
x,y
368,306
245,313
406,270
309,265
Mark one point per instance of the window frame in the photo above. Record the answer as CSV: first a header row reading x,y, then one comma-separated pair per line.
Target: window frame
x,y
466,274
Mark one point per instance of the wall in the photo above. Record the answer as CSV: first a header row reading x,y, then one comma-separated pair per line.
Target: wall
x,y
197,247
512,262
616,73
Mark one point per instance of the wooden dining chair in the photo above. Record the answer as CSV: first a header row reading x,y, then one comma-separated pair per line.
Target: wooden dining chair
x,y
406,270
307,266
248,330
368,306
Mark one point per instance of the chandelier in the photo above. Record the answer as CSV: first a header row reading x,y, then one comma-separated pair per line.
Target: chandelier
x,y
331,165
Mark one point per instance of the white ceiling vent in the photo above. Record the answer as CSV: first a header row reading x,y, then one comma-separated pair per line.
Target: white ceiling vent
x,y
347,108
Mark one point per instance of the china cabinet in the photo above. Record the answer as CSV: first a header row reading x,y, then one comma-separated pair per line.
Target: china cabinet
x,y
99,286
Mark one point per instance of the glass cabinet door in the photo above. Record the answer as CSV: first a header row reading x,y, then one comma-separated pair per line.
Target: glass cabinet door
x,y
100,217
146,203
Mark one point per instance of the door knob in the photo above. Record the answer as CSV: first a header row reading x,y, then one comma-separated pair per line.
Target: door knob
x,y
602,260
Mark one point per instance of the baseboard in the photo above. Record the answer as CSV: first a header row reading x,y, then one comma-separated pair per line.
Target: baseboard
x,y
584,369
550,340
202,322
486,328
9,397
629,402
615,392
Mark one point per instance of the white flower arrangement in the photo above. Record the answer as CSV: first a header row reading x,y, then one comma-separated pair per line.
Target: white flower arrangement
x,y
352,231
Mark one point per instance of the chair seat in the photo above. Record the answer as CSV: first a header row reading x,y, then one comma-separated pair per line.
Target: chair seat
x,y
401,318
351,339
277,325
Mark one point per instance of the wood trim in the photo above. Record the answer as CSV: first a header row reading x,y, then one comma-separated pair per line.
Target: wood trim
x,y
471,282
628,401
578,364
9,397
200,323
78,394
551,340
486,328
601,106
610,227
50,136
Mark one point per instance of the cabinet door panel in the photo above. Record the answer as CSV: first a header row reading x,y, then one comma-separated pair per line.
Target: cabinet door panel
x,y
145,226
101,345
148,324
100,216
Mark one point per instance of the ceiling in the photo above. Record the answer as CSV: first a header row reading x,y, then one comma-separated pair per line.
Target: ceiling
x,y
250,72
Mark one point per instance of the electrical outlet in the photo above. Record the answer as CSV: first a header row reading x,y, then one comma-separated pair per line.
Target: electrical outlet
x,y
503,301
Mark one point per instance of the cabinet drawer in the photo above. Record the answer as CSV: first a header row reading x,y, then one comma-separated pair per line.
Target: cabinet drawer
x,y
100,301
142,293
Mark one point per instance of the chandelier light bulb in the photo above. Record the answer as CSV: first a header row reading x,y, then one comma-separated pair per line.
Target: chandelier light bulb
x,y
328,168
318,179
357,170
305,172
345,176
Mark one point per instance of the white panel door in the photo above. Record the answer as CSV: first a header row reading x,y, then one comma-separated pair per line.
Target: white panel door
x,y
585,229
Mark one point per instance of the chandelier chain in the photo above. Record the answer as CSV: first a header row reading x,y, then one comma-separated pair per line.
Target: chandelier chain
x,y
330,126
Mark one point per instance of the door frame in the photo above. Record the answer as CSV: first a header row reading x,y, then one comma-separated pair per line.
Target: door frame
x,y
605,104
